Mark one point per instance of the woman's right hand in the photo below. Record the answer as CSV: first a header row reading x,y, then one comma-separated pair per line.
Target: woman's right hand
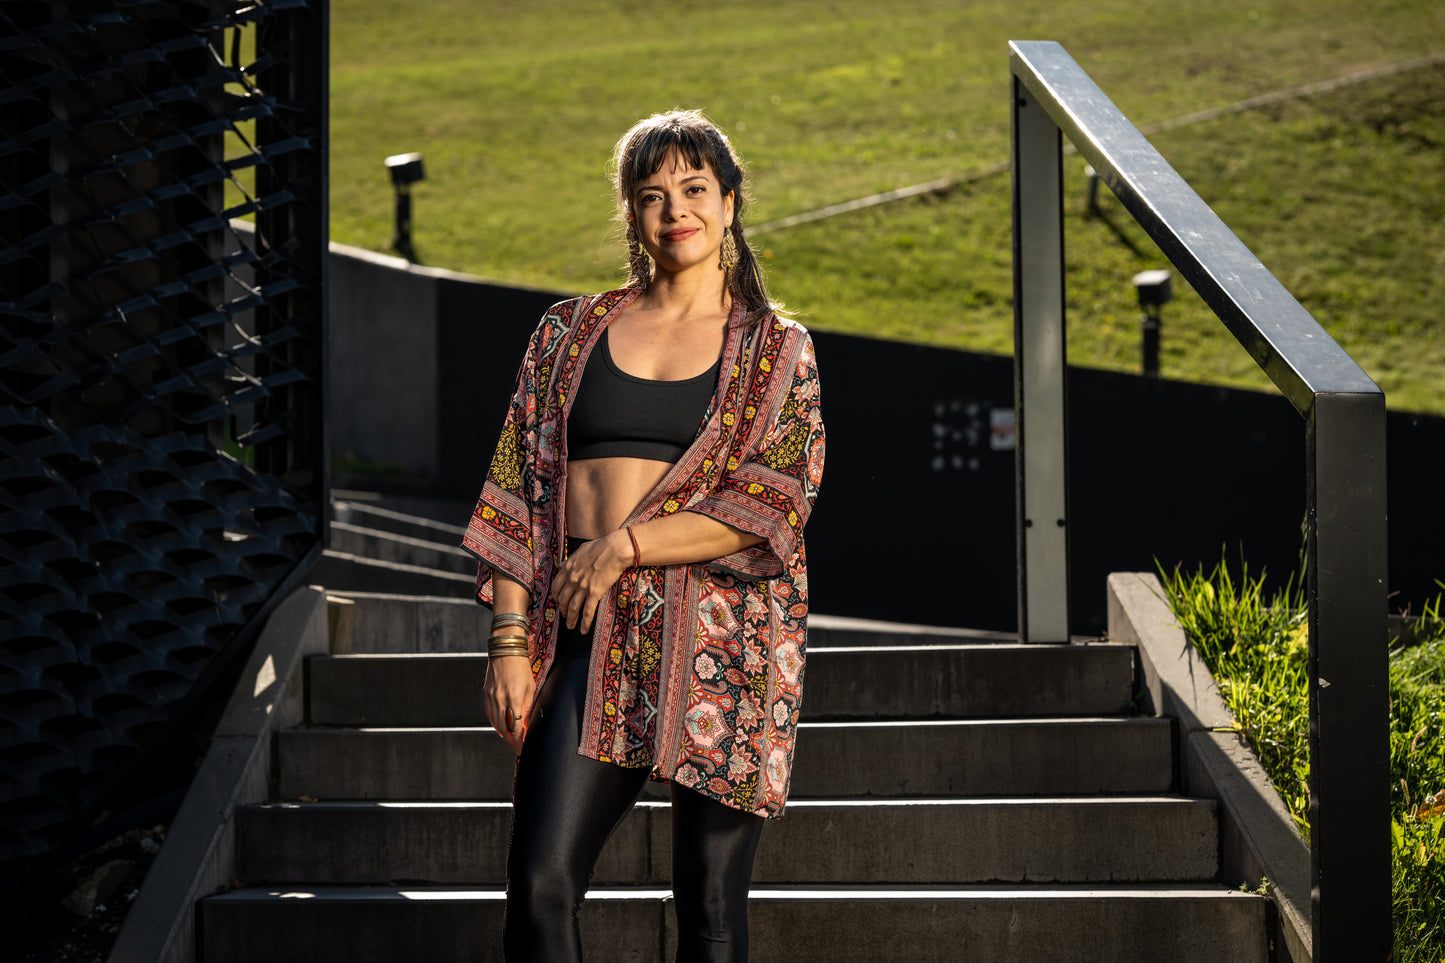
x,y
509,685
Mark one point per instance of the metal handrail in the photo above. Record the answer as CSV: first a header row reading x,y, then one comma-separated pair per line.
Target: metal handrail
x,y
1344,413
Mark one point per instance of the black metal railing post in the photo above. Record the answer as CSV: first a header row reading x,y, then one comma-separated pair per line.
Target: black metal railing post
x,y
1349,679
1344,412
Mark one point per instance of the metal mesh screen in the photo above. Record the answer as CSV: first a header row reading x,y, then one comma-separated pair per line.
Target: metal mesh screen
x,y
162,450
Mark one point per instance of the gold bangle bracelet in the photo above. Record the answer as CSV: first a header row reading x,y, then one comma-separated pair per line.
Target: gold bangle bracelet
x,y
512,647
507,638
510,618
510,615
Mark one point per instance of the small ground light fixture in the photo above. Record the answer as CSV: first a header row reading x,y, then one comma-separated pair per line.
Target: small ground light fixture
x,y
1154,291
405,170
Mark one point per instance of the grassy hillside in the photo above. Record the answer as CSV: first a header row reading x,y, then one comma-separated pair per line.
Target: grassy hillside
x,y
517,106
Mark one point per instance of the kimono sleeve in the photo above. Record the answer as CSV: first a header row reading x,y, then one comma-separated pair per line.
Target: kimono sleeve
x,y
501,532
771,488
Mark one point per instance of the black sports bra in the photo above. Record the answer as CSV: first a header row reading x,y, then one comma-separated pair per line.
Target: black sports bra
x,y
615,414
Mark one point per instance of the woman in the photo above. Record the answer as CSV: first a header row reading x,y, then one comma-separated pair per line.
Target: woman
x,y
640,534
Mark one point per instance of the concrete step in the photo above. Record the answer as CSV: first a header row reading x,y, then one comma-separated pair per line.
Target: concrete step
x,y
1013,757
854,924
344,572
983,757
960,681
836,630
1068,839
401,549
396,690
392,624
443,523
857,682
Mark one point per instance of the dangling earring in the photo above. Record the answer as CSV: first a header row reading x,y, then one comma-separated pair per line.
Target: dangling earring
x,y
728,255
639,265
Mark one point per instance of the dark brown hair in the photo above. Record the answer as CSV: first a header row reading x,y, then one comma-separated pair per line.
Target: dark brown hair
x,y
641,153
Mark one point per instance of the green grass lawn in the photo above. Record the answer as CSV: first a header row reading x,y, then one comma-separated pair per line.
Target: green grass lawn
x,y
516,108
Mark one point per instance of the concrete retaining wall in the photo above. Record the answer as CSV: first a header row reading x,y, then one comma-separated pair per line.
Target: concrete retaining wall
x,y
1258,838
199,855
395,380
382,307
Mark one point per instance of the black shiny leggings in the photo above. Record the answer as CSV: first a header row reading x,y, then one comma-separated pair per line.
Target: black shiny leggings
x,y
567,805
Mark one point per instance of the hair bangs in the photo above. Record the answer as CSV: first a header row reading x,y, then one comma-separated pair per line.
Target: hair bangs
x,y
654,146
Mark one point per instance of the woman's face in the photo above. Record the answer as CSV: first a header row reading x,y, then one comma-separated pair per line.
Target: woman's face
x,y
681,213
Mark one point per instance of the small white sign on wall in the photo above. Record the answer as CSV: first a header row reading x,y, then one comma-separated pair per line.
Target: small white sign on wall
x,y
1001,429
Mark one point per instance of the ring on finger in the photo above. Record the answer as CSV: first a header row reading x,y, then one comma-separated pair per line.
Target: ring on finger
x,y
511,720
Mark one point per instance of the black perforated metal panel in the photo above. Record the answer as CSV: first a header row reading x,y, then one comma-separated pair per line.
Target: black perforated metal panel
x,y
162,450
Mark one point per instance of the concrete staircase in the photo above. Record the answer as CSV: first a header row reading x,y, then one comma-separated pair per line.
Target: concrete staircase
x,y
956,797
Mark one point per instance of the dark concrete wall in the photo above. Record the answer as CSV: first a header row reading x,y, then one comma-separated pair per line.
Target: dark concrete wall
x,y
915,521
383,365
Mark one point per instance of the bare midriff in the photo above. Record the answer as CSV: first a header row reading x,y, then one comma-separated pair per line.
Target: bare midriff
x,y
602,492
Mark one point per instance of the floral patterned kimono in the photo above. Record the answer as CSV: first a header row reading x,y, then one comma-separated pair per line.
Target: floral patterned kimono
x,y
696,670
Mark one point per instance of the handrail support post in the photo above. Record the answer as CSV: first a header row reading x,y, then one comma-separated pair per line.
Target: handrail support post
x,y
1040,369
1348,678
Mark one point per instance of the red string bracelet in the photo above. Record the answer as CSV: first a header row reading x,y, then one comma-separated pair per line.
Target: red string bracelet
x,y
636,552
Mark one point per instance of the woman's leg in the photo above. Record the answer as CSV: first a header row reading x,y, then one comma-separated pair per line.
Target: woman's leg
x,y
712,866
565,807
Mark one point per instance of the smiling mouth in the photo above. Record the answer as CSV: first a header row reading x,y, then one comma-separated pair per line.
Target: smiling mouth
x,y
679,235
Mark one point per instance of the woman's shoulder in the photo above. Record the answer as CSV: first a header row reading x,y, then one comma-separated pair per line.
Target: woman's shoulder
x,y
570,308
566,309
563,316
769,317
782,330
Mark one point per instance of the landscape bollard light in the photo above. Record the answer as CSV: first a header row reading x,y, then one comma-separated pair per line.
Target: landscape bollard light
x,y
1092,176
406,170
1154,292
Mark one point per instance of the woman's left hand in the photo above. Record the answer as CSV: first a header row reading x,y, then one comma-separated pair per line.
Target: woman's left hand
x,y
588,575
